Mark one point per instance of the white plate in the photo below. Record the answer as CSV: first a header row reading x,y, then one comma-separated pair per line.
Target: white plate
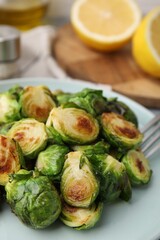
x,y
137,220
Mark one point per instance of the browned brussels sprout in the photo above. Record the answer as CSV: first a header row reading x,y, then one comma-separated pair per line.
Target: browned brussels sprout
x,y
37,102
31,136
11,158
79,185
72,125
120,133
116,106
137,166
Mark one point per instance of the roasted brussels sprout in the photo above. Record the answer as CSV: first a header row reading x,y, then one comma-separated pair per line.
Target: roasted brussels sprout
x,y
120,133
137,166
91,100
79,185
114,182
81,218
33,199
31,136
9,107
50,161
37,102
72,125
116,106
11,158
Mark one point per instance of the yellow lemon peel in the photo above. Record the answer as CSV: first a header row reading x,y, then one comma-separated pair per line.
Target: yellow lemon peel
x,y
146,43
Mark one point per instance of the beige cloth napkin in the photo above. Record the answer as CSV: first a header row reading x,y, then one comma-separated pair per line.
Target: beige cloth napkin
x,y
36,59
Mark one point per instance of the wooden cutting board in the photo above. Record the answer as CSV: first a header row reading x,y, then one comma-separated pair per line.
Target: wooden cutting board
x,y
117,69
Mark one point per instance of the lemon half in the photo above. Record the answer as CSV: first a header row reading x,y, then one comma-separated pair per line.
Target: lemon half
x,y
146,43
105,24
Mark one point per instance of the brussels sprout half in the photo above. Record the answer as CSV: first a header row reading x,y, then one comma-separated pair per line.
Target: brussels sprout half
x,y
31,136
9,108
33,198
37,102
73,125
81,218
137,167
120,133
11,158
50,161
79,185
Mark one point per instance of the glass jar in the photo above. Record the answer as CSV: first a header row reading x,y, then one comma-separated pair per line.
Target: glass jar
x,y
23,14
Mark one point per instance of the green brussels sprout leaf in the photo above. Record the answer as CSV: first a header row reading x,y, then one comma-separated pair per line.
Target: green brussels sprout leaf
x,y
50,161
91,100
100,147
113,178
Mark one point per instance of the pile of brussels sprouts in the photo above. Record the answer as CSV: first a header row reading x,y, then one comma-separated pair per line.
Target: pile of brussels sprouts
x,y
65,155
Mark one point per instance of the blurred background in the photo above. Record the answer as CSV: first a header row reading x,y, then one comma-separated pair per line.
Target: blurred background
x,y
61,8
26,14
48,42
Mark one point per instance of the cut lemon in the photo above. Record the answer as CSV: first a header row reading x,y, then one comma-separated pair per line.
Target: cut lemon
x,y
146,43
105,24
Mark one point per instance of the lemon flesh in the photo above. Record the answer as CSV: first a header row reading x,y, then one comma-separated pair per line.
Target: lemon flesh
x,y
105,25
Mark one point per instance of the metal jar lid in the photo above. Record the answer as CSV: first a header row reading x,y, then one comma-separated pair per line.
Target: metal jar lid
x,y
9,43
